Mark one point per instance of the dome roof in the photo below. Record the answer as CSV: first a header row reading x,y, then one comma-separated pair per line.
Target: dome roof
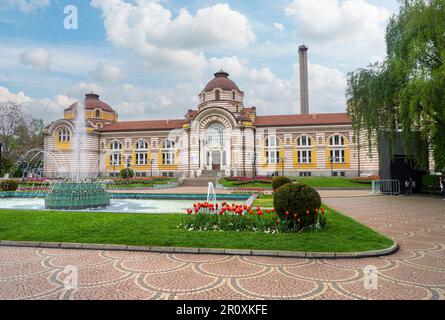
x,y
92,101
221,81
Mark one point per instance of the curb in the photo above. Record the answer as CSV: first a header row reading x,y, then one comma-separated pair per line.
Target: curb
x,y
241,252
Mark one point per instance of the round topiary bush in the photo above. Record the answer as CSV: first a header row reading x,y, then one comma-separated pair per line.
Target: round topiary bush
x,y
9,185
277,182
126,173
298,205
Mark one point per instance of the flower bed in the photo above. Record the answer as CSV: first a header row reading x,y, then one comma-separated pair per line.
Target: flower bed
x,y
240,217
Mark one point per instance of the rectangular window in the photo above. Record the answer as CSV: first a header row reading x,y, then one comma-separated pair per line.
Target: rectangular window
x,y
305,174
115,159
305,156
141,158
337,156
168,157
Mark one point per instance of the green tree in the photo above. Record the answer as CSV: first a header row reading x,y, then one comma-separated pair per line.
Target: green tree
x,y
407,90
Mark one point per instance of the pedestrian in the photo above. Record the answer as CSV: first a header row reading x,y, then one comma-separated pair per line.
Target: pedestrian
x,y
442,184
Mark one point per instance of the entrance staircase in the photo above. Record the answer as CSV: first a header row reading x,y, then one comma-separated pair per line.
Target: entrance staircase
x,y
203,180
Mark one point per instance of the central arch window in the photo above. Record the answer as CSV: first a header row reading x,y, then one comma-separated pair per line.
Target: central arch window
x,y
272,150
215,134
64,135
304,149
217,95
141,152
115,153
337,148
168,152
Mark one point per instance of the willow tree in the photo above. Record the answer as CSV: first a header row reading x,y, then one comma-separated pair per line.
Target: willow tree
x,y
406,92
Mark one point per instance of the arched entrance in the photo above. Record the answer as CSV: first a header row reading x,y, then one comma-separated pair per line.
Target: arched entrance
x,y
215,154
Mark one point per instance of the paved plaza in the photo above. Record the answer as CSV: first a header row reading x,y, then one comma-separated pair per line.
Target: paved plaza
x,y
416,271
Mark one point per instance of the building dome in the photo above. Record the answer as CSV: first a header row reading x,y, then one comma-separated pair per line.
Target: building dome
x,y
221,81
92,102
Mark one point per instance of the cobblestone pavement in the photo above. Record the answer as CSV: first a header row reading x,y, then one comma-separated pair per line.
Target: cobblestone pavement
x,y
416,271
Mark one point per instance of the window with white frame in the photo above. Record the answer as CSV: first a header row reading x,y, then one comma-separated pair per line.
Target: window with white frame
x,y
115,153
272,150
337,148
304,149
64,135
168,152
141,153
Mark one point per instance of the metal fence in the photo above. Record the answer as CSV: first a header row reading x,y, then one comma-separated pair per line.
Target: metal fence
x,y
388,187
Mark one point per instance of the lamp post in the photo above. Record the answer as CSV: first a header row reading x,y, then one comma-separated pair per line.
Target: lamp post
x,y
332,159
151,167
129,158
254,166
282,161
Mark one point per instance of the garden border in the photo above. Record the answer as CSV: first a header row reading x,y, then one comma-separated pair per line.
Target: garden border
x,y
241,252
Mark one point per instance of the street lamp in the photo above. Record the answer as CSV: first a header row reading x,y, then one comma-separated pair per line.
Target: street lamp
x,y
129,158
254,166
151,167
332,159
282,160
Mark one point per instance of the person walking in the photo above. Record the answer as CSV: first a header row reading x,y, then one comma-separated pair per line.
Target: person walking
x,y
442,184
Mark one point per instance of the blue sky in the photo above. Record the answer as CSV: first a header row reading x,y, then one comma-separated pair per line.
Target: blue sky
x,y
150,59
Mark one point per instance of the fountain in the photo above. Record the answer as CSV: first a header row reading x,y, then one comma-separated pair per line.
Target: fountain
x,y
211,195
79,191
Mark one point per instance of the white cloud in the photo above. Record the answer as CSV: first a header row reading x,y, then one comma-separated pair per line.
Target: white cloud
x,y
329,20
46,108
37,58
107,73
7,96
26,6
278,26
149,30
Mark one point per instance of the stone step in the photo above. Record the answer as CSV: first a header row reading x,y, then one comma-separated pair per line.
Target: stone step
x,y
198,182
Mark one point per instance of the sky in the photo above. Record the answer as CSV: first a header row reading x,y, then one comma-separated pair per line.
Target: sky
x,y
150,59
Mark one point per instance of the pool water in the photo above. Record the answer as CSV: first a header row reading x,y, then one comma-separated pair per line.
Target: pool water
x,y
117,205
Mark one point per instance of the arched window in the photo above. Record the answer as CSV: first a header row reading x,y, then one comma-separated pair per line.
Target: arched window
x,y
204,96
168,152
115,153
97,114
64,135
215,134
304,149
272,150
141,152
217,95
233,95
337,149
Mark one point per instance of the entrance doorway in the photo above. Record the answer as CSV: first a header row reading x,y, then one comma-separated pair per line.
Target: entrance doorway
x,y
216,160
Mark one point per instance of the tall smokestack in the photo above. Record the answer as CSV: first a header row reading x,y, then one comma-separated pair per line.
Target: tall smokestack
x,y
304,86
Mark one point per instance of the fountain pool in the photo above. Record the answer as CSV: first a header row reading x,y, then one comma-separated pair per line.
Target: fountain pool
x,y
116,205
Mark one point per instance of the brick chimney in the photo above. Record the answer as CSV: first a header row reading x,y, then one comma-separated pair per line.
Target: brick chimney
x,y
304,85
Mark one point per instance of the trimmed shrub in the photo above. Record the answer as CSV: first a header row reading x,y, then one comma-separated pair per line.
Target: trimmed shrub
x,y
277,182
298,205
9,185
126,173
430,183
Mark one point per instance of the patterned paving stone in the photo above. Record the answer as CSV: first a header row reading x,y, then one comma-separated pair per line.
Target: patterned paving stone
x,y
416,271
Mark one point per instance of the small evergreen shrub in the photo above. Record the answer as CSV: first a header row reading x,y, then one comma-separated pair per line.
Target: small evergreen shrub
x,y
430,183
277,182
126,173
9,185
299,206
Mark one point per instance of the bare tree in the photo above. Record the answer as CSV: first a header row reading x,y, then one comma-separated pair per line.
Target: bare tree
x,y
19,132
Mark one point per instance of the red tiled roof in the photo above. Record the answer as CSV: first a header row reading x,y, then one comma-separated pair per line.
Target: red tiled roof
x,y
92,102
143,125
221,81
303,120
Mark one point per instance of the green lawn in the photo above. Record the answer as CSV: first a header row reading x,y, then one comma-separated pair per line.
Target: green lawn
x,y
333,182
264,201
341,234
315,182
